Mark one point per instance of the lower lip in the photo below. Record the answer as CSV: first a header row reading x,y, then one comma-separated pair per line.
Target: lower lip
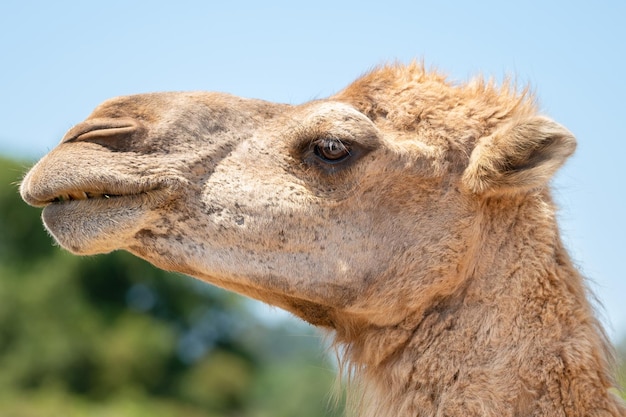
x,y
96,225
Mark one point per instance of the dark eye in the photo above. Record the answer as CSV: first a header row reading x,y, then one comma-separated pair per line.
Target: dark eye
x,y
331,150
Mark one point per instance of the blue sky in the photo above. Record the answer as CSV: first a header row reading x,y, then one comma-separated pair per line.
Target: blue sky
x,y
59,59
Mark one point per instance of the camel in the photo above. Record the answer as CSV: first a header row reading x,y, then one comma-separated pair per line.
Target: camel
x,y
409,216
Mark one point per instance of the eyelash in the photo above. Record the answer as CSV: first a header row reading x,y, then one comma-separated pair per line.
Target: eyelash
x,y
331,150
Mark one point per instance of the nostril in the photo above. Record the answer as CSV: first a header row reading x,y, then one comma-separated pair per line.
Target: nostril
x,y
113,133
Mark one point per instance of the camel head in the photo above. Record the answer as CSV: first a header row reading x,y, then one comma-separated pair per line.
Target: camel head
x,y
329,209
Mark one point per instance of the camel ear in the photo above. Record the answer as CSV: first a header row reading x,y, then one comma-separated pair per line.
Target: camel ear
x,y
519,157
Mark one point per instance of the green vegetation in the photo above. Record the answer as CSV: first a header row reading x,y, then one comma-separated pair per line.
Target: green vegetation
x,y
113,336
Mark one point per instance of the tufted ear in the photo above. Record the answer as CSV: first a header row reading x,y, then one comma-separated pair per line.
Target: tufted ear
x,y
518,157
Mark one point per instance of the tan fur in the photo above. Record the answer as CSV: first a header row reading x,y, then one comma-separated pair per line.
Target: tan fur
x,y
431,250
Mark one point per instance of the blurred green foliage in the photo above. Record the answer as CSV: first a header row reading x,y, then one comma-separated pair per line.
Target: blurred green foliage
x,y
113,336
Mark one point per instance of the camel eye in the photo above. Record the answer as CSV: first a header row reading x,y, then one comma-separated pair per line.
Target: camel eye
x,y
331,151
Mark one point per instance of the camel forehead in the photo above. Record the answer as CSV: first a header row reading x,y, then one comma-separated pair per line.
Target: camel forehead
x,y
415,102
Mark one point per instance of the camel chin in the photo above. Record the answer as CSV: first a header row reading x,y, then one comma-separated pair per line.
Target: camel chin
x,y
84,230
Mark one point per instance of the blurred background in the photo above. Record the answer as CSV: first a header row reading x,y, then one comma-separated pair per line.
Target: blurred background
x,y
111,335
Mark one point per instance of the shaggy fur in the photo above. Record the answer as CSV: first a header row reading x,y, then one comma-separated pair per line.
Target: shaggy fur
x,y
408,215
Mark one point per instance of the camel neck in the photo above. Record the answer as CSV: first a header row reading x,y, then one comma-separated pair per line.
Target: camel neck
x,y
519,339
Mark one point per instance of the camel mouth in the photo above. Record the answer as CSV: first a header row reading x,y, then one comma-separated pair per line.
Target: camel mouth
x,y
102,195
91,192
82,195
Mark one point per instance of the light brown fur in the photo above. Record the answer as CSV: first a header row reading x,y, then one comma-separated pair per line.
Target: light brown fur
x,y
430,248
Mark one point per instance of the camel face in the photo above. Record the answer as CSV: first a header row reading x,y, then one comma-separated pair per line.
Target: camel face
x,y
296,205
316,208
